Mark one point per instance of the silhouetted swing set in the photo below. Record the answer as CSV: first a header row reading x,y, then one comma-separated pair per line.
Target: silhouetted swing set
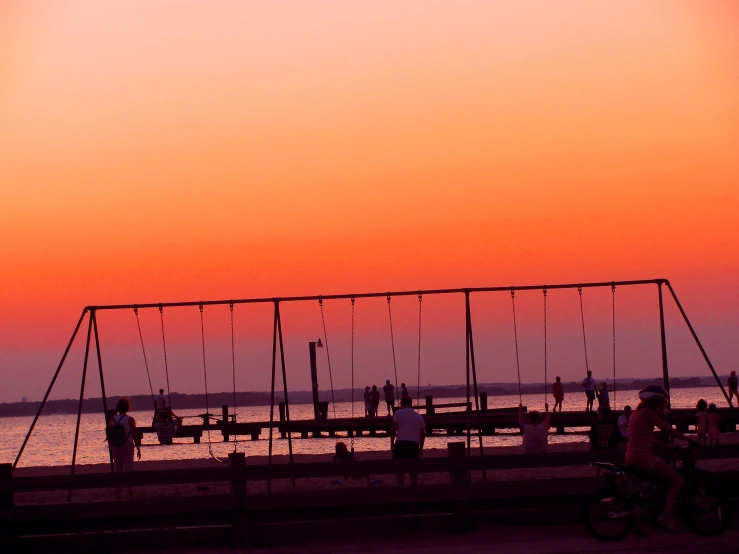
x,y
277,341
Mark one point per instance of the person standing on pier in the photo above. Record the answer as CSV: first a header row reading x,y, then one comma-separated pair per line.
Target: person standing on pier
x,y
374,399
389,391
403,391
589,384
604,399
559,394
407,435
367,409
732,384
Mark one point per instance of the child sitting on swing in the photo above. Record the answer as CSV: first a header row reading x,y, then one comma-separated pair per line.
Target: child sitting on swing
x,y
344,456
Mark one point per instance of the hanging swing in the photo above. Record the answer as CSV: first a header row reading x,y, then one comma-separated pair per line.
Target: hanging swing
x,y
354,430
418,380
515,340
233,371
613,320
328,356
392,343
164,348
546,380
584,339
143,351
205,382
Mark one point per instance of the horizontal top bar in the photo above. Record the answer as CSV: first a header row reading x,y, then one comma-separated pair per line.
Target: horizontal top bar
x,y
375,295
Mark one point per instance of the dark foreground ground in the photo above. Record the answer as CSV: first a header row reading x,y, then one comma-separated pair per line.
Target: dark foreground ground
x,y
534,539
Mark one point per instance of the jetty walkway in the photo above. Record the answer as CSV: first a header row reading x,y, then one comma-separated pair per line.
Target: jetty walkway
x,y
453,423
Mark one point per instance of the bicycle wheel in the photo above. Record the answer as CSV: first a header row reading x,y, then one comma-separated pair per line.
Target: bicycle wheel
x,y
608,515
706,509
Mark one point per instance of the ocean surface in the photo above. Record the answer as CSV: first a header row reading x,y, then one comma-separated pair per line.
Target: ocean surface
x,y
52,440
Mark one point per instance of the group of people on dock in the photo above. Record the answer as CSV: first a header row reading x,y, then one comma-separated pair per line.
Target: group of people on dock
x,y
591,393
372,398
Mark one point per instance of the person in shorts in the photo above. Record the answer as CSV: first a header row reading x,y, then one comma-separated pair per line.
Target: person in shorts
x,y
558,392
389,391
589,384
407,435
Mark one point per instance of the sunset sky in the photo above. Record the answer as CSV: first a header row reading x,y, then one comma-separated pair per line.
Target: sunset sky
x,y
155,151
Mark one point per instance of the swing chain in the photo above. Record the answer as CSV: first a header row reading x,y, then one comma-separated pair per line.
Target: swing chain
x,y
582,319
205,379
164,347
392,341
515,340
233,364
418,381
328,356
613,312
143,350
546,381
352,367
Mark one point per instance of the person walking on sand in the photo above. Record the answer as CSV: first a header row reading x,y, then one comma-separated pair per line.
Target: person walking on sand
x,y
535,431
122,437
589,384
407,436
559,394
732,384
389,391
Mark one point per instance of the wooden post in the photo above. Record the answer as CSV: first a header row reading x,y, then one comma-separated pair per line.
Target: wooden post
x,y
240,530
429,405
281,407
483,402
224,422
457,450
6,505
6,473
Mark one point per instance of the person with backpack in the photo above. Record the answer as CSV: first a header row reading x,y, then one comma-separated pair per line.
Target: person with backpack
x,y
122,437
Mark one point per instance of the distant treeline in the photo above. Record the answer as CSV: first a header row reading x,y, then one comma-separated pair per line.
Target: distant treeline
x,y
215,400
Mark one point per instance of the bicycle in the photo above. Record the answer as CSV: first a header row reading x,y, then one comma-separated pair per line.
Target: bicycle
x,y
610,513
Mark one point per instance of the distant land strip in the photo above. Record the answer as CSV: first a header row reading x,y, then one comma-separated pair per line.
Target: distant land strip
x,y
215,400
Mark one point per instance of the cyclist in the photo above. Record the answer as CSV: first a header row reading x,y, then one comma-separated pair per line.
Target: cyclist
x,y
645,418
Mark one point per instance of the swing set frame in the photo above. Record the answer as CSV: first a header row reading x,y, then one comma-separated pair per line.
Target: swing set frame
x,y
277,339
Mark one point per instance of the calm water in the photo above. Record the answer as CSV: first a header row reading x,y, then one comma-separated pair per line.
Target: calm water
x,y
53,437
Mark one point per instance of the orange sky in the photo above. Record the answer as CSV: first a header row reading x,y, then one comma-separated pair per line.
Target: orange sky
x,y
155,151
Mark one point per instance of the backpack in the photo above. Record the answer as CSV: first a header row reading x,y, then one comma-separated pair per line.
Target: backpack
x,y
116,433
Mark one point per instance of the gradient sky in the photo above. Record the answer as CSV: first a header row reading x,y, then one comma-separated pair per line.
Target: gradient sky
x,y
162,151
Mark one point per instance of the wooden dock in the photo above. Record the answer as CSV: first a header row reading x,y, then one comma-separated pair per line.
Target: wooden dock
x,y
454,423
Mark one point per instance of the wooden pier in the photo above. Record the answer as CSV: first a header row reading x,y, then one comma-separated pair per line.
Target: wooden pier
x,y
452,423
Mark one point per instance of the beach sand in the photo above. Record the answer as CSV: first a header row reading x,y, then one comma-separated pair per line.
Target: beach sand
x,y
284,486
